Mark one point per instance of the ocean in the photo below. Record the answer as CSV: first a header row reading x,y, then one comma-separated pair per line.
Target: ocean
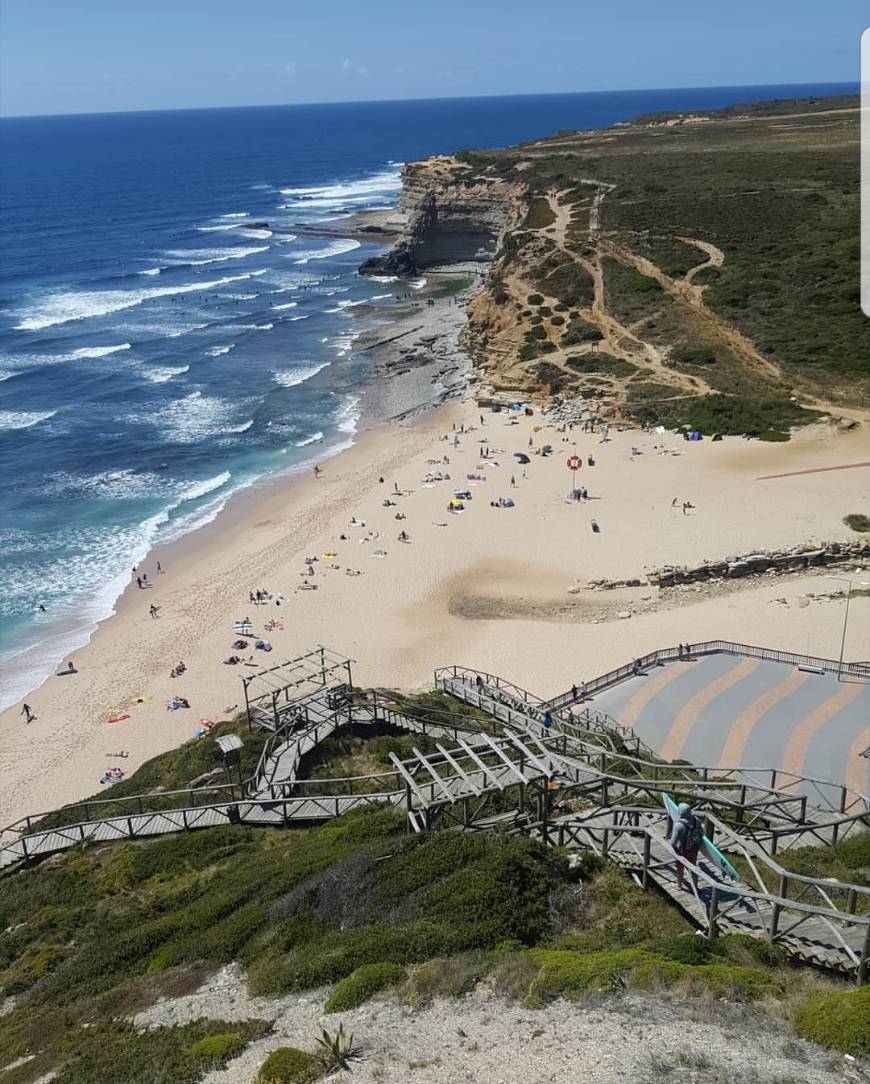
x,y
160,350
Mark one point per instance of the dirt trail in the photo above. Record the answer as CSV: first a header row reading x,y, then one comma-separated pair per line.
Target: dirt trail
x,y
715,258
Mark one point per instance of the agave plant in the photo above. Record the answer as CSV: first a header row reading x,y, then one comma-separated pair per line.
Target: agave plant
x,y
337,1051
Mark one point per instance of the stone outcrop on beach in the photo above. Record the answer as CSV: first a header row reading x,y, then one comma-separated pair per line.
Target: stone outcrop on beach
x,y
767,562
452,216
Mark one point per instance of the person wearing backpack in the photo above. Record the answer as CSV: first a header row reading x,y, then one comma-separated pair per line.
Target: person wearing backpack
x,y
686,840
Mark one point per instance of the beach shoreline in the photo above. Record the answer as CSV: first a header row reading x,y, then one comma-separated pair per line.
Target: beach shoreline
x,y
487,587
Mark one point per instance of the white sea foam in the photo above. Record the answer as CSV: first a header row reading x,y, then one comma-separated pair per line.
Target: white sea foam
x,y
289,305
378,186
159,374
264,327
200,489
198,257
309,440
151,271
417,284
384,278
344,343
256,232
216,351
348,414
217,229
237,214
97,351
334,248
23,419
379,297
293,319
192,418
64,307
289,378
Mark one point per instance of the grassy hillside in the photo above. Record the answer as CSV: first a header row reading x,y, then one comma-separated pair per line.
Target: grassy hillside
x,y
93,936
730,237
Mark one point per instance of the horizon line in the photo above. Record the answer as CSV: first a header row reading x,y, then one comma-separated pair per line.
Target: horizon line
x,y
852,83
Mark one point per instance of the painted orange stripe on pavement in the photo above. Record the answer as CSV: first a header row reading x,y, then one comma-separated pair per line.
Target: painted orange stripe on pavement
x,y
738,736
631,712
796,751
858,767
688,714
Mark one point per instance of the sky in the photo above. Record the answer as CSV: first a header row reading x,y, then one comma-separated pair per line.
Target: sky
x,y
83,56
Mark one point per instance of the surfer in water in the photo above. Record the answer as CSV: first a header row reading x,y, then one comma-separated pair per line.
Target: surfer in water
x,y
686,840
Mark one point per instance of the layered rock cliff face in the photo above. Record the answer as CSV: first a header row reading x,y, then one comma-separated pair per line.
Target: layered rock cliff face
x,y
452,216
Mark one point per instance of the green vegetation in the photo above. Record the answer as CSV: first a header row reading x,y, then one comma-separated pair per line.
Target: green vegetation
x,y
563,279
841,1020
361,984
857,522
113,1050
287,1065
540,214
767,418
693,354
581,331
629,295
601,363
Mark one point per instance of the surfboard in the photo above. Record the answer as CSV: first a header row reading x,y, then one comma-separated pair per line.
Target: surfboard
x,y
707,845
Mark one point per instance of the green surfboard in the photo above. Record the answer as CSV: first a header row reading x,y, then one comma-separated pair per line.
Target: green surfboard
x,y
707,845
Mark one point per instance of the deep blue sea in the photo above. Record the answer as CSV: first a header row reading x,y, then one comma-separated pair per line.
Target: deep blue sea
x,y
159,352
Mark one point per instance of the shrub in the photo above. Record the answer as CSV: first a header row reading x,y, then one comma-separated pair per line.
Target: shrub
x,y
361,984
288,1065
534,299
545,310
857,522
839,1020
557,321
218,1048
571,974
690,354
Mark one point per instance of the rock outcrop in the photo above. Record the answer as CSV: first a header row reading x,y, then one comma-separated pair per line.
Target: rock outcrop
x,y
767,562
452,216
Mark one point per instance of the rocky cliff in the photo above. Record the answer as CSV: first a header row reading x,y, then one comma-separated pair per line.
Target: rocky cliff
x,y
452,215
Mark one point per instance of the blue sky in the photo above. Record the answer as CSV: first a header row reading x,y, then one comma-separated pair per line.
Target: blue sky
x,y
71,56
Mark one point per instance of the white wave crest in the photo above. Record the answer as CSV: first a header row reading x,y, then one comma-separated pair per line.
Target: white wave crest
x,y
289,305
256,232
293,319
97,351
216,351
24,419
354,194
309,440
208,485
289,378
64,307
159,374
198,257
334,248
193,418
151,271
348,414
237,214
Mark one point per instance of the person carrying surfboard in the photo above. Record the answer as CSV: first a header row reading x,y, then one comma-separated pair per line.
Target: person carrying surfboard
x,y
686,840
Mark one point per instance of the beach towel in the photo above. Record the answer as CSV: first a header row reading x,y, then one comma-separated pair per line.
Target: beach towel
x,y
117,719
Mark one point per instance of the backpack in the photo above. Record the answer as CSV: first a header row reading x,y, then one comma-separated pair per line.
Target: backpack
x,y
694,836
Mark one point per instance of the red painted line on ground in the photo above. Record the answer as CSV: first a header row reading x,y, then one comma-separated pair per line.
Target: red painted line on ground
x,y
812,470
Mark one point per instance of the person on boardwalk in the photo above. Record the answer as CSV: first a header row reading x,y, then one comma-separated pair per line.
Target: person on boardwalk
x,y
686,839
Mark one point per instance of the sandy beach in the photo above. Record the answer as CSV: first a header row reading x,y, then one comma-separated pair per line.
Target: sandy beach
x,y
486,587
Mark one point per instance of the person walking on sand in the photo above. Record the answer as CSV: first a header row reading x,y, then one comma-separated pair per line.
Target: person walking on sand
x,y
153,610
686,839
316,471
513,482
139,582
27,713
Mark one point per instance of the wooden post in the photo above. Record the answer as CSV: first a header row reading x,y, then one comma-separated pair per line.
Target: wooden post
x,y
777,909
713,915
864,962
646,856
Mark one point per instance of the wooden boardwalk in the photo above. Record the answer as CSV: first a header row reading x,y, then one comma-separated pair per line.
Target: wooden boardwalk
x,y
564,774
